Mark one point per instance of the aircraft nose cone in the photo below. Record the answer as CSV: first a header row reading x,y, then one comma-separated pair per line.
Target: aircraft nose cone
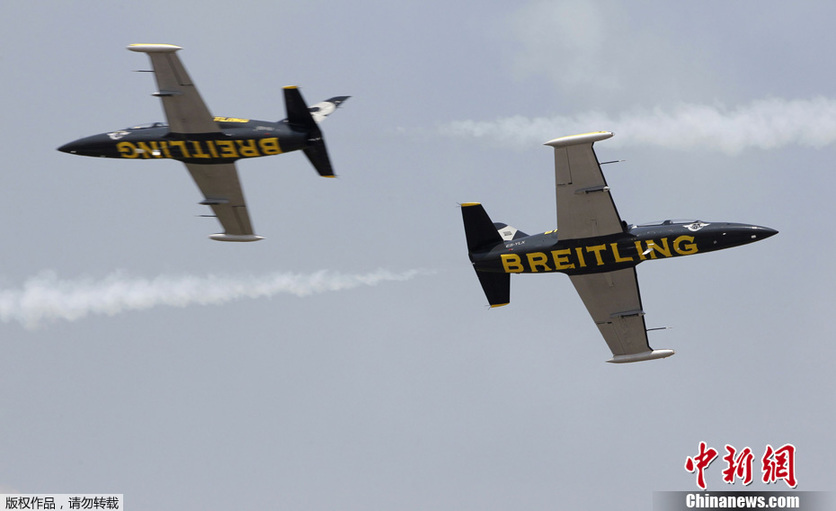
x,y
95,145
71,148
762,233
728,235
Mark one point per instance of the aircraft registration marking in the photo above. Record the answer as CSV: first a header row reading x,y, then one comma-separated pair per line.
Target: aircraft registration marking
x,y
201,149
597,255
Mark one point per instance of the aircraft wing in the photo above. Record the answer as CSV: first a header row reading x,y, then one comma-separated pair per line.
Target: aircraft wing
x,y
613,301
184,108
222,190
584,206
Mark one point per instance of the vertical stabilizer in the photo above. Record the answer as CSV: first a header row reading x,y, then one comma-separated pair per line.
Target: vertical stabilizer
x,y
300,118
497,287
298,114
478,228
482,234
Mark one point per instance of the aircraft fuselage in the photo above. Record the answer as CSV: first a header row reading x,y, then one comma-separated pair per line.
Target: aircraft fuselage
x,y
546,252
237,138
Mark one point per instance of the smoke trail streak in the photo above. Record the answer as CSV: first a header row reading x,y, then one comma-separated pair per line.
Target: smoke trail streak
x,y
46,298
763,124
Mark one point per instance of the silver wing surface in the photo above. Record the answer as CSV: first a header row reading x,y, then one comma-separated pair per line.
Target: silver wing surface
x,y
219,184
584,206
184,108
613,301
187,113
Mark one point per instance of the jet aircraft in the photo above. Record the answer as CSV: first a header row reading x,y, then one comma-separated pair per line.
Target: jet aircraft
x,y
594,247
208,145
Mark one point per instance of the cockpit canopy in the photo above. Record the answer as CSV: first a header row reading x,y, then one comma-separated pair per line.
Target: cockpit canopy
x,y
149,125
669,222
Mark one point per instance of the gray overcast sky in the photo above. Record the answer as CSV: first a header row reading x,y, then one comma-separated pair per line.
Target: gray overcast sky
x,y
411,394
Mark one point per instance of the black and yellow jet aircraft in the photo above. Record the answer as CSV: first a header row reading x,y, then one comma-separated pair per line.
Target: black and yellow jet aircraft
x,y
594,247
209,145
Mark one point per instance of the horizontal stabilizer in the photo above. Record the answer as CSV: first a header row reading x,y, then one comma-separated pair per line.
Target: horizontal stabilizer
x,y
478,228
318,155
301,117
298,114
325,108
497,287
482,234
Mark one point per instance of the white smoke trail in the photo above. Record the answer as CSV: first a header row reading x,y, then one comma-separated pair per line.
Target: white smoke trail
x,y
46,298
762,124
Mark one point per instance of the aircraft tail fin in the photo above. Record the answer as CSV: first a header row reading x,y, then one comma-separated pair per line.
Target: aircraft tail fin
x,y
325,108
305,119
497,287
318,155
481,234
479,231
508,232
298,114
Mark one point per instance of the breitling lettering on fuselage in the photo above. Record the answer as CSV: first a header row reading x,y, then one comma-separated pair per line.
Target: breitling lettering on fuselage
x,y
601,255
227,149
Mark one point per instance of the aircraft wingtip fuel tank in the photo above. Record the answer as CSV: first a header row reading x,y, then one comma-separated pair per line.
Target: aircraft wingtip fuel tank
x,y
210,145
594,247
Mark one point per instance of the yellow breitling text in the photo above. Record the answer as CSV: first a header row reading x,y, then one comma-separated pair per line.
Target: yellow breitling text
x,y
201,149
597,255
230,119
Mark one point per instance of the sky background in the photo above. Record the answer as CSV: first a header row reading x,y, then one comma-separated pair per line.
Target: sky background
x,y
373,375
